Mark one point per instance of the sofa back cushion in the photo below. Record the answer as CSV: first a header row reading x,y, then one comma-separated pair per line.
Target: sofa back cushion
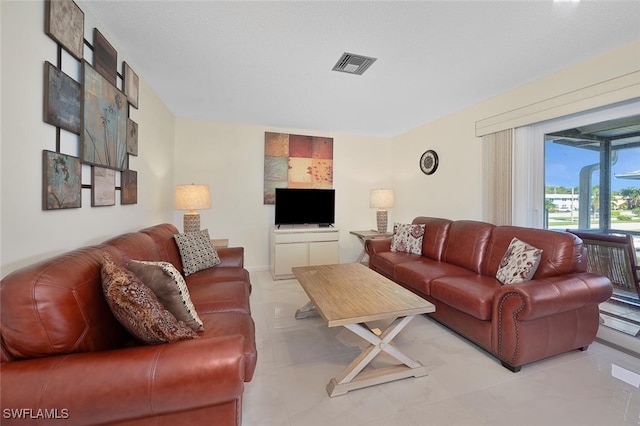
x,y
57,307
435,235
162,235
135,246
561,251
467,243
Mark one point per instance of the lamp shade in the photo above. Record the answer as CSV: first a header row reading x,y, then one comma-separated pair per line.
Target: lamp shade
x,y
382,198
192,197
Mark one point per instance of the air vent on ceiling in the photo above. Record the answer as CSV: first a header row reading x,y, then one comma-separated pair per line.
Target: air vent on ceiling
x,y
353,64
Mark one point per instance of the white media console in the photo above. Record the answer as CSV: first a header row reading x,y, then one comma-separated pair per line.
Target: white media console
x,y
298,245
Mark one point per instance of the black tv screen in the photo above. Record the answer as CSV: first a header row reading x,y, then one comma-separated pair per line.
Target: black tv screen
x,y
305,206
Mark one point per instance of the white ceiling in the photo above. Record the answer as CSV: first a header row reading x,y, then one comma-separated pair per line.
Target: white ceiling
x,y
269,63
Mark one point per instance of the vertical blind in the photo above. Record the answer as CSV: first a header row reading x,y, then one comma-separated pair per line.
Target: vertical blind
x,y
497,155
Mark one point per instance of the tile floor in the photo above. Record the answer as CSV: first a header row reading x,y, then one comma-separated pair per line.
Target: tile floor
x,y
465,386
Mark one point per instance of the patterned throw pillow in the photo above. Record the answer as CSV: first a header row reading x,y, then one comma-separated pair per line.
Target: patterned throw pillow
x,y
170,289
196,251
138,309
407,238
519,263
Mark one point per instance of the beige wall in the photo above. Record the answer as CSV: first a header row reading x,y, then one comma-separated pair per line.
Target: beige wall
x,y
230,159
454,191
27,232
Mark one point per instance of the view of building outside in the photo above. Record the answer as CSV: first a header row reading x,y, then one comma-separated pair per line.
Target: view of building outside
x,y
575,197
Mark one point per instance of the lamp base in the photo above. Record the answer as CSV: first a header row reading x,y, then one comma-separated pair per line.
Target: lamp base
x,y
381,217
191,222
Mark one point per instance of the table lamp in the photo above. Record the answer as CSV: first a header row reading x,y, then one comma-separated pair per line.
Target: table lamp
x,y
382,199
191,198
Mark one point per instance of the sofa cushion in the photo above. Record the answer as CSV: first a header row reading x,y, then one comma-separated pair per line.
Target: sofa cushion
x,y
162,236
419,274
226,296
138,309
170,289
135,245
386,262
435,234
56,307
218,274
467,244
519,262
471,294
561,251
407,238
197,251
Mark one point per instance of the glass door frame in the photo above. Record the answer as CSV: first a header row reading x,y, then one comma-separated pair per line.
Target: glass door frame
x,y
528,158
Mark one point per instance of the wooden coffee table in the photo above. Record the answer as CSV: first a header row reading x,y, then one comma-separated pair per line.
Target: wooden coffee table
x,y
349,295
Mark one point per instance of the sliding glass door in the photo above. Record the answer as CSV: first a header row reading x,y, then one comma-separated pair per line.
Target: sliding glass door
x,y
592,177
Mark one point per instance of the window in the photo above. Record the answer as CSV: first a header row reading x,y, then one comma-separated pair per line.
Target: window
x,y
529,169
592,177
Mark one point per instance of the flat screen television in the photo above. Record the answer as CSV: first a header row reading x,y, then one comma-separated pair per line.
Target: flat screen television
x,y
296,206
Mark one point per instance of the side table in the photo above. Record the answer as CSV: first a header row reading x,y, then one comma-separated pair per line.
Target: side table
x,y
220,242
363,236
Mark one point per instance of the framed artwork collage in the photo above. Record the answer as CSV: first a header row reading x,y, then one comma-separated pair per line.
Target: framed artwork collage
x,y
95,109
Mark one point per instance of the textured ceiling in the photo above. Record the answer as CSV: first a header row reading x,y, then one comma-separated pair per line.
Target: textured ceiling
x,y
269,63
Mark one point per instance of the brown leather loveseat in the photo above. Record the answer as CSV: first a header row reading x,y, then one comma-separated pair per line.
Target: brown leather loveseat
x,y
553,312
66,358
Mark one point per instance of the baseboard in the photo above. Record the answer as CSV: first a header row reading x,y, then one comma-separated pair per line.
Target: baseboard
x,y
619,341
258,268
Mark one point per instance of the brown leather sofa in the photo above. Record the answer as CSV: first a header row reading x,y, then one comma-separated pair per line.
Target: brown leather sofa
x,y
554,312
66,357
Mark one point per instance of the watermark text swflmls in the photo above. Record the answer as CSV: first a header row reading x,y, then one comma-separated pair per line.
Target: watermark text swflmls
x,y
40,413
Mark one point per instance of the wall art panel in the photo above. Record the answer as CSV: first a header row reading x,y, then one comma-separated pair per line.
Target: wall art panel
x,y
129,187
103,186
62,96
296,161
130,84
132,137
64,22
105,57
103,139
62,181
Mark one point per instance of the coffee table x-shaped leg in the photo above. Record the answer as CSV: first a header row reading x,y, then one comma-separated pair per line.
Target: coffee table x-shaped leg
x,y
353,377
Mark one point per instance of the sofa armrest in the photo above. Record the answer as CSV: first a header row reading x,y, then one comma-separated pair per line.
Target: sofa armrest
x,y
377,245
104,387
553,295
231,256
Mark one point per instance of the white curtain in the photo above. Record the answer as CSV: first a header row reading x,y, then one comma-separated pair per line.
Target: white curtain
x,y
498,177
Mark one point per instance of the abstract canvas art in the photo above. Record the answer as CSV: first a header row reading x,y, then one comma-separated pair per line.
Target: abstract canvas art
x,y
132,137
296,161
130,84
129,187
64,22
62,96
62,181
103,139
105,57
103,186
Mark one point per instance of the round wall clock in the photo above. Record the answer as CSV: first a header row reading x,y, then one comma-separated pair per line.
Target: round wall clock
x,y
429,162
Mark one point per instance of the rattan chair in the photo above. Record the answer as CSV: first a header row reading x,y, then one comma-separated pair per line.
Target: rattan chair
x,y
614,256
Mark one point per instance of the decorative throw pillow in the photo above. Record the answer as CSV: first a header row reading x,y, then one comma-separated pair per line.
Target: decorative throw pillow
x,y
138,309
170,289
519,263
196,251
407,238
